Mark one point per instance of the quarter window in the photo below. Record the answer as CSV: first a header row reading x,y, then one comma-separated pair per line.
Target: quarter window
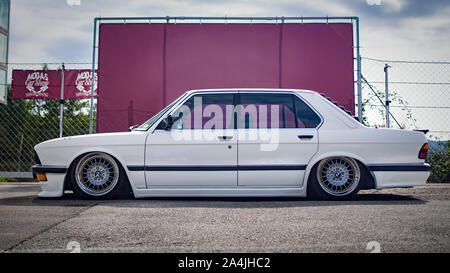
x,y
306,117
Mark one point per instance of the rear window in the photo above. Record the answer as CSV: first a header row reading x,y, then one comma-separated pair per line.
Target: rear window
x,y
274,111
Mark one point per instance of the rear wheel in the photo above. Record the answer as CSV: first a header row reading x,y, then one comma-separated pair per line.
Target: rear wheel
x,y
98,176
335,178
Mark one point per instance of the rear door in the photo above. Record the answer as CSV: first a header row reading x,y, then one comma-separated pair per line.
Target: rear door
x,y
277,136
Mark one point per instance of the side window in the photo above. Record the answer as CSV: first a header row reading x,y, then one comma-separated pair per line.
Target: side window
x,y
205,111
306,117
265,111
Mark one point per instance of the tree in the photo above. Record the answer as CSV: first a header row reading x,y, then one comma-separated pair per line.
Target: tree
x,y
25,123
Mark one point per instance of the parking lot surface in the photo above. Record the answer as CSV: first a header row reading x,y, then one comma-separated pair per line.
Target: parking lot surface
x,y
394,220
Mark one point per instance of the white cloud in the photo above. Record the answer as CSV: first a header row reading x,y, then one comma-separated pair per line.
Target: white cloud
x,y
53,31
393,5
412,38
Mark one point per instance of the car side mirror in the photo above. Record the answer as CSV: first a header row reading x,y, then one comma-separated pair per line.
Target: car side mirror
x,y
166,123
131,128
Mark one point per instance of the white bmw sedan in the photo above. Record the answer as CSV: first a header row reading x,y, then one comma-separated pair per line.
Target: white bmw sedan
x,y
236,142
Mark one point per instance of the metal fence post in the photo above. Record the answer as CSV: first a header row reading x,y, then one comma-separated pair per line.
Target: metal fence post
x,y
91,118
358,63
387,101
61,103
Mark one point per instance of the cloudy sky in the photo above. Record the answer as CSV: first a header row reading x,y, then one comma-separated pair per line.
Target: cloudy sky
x,y
61,30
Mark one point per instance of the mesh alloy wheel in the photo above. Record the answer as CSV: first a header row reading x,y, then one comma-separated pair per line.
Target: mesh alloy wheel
x,y
97,174
338,176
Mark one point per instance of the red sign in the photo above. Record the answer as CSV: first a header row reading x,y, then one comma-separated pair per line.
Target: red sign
x,y
36,84
78,84
46,84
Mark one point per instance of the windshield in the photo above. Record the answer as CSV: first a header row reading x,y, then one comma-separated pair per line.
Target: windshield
x,y
149,123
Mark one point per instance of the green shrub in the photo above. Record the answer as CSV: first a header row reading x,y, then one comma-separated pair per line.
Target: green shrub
x,y
8,179
439,159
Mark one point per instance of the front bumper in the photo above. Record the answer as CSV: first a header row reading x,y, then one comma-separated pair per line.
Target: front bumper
x,y
47,169
54,186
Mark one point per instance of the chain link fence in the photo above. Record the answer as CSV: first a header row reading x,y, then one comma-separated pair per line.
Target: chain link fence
x,y
25,123
418,91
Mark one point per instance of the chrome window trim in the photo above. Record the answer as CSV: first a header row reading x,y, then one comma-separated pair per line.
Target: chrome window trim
x,y
192,93
295,93
201,92
159,120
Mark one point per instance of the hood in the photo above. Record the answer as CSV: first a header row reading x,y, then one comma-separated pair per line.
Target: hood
x,y
94,139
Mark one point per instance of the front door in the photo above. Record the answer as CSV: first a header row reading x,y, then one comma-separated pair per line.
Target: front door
x,y
200,148
277,136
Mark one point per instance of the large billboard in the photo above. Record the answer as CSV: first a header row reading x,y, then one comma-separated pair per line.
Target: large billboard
x,y
143,67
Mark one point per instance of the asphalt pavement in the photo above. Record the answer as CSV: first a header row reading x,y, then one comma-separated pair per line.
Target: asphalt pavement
x,y
395,220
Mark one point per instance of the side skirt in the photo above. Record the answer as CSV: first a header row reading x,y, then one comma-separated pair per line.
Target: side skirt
x,y
220,192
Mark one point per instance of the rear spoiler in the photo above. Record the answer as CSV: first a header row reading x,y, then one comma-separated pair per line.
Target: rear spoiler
x,y
425,131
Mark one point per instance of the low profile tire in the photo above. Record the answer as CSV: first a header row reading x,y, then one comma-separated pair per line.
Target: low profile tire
x,y
335,178
98,175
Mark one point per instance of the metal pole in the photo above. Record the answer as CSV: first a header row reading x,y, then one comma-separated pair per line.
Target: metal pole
x,y
226,18
386,90
61,103
91,118
381,101
358,63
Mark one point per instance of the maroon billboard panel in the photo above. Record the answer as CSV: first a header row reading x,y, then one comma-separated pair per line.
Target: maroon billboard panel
x,y
36,84
131,70
221,56
319,57
143,67
77,84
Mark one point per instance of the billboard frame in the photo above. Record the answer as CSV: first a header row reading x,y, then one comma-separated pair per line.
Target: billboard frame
x,y
201,20
5,31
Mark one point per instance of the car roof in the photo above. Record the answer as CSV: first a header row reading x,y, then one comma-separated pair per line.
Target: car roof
x,y
251,89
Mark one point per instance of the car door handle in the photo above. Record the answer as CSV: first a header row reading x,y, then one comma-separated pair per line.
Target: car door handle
x,y
225,137
305,136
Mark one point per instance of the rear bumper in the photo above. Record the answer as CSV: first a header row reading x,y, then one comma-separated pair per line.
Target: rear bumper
x,y
400,175
54,186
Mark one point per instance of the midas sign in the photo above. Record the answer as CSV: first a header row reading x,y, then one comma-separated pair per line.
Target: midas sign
x,y
46,84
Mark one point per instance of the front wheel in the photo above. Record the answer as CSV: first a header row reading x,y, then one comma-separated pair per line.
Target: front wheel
x,y
335,178
98,175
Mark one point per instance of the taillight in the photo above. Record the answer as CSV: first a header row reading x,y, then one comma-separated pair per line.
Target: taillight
x,y
423,151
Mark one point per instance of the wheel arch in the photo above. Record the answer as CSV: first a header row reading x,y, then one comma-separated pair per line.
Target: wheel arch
x,y
74,160
369,182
